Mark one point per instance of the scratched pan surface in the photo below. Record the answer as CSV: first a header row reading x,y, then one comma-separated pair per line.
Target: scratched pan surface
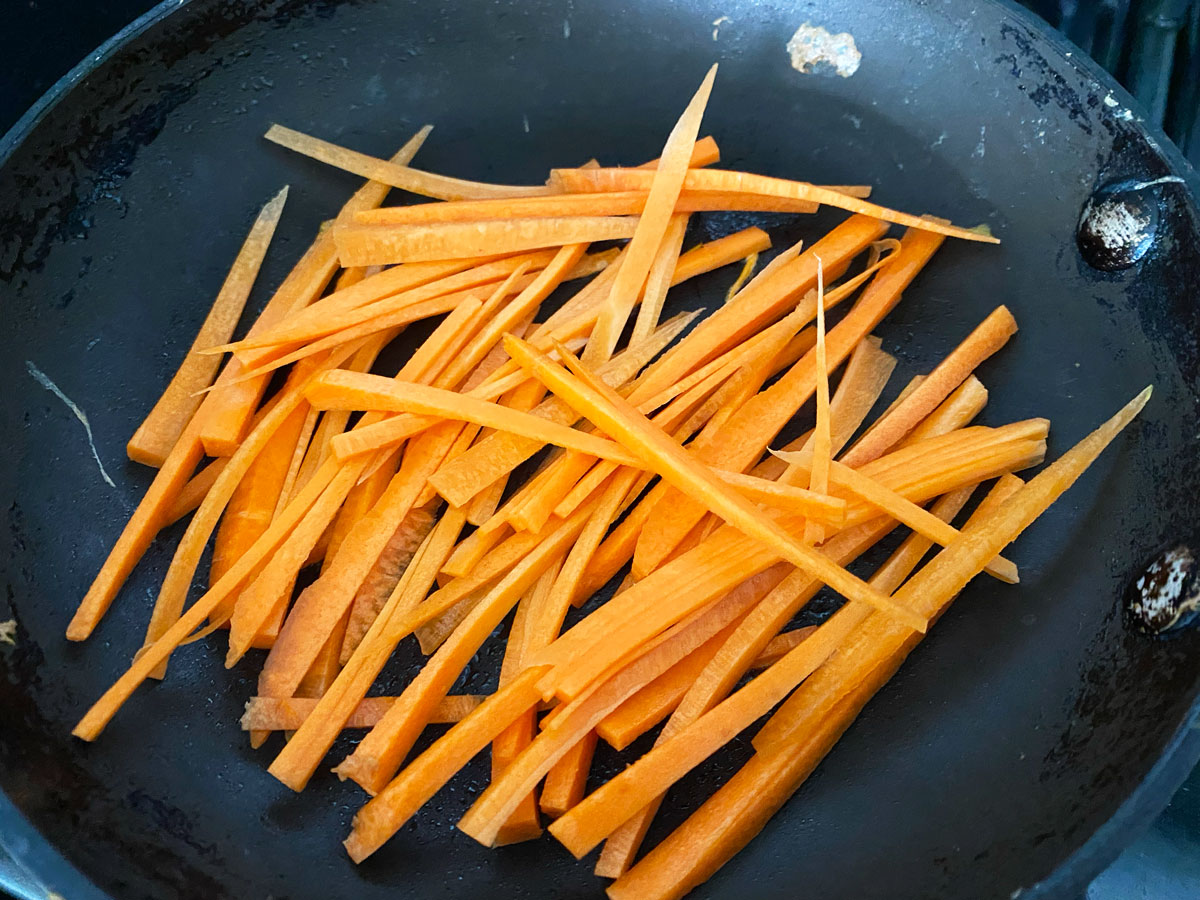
x,y
1030,719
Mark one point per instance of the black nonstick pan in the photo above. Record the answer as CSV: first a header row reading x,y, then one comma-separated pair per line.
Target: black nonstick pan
x,y
1021,746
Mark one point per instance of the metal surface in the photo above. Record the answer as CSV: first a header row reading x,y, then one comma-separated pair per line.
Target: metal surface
x,y
1030,719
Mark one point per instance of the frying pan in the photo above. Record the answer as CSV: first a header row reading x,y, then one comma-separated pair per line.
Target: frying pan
x,y
1024,742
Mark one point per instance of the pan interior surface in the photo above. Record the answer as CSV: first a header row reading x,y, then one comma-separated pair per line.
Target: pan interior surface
x,y
1007,739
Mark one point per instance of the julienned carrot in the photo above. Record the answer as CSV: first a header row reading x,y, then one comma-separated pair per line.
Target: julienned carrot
x,y
654,702
164,424
368,245
395,174
395,557
610,411
742,440
658,278
378,756
822,443
299,759
566,781
704,153
985,340
665,182
228,410
582,180
750,640
571,723
780,645
500,453
174,589
399,801
192,494
252,505
681,586
353,390
274,714
760,303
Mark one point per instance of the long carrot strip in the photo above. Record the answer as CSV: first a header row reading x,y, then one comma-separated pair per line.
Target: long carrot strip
x,y
273,714
582,180
567,779
985,340
744,437
399,801
822,447
613,413
665,182
395,174
192,494
377,758
161,428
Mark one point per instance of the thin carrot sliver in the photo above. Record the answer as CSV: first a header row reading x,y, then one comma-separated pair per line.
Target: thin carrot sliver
x,y
161,428
274,714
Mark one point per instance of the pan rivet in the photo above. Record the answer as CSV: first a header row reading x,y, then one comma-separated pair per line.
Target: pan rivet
x,y
1119,224
1166,595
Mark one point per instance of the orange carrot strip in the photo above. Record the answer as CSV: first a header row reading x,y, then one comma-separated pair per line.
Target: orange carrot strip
x,y
299,759
340,389
228,410
592,398
780,645
274,714
822,448
567,779
368,245
582,180
759,303
658,278
192,494
742,440
986,339
379,755
164,424
102,711
572,723
704,153
395,174
381,817
665,182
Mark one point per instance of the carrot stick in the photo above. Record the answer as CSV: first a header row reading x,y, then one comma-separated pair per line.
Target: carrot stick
x,y
500,453
567,779
381,817
759,303
704,153
658,278
379,755
742,440
395,557
252,504
395,174
228,410
299,759
102,711
939,582
583,180
665,182
340,389
985,340
274,714
822,452
594,399
192,494
780,645
574,721
161,429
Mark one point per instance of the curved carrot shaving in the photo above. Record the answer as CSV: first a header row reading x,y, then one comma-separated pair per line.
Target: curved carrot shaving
x,y
397,175
164,424
274,714
582,180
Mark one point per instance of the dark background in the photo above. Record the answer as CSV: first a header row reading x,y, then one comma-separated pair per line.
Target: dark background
x,y
1153,46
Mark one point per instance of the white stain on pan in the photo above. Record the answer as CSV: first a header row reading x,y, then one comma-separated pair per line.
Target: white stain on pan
x,y
815,50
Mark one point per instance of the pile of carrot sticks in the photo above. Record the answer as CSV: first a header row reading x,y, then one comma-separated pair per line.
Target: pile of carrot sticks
x,y
523,458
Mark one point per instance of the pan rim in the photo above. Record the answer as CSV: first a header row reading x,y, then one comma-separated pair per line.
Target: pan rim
x,y
40,857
